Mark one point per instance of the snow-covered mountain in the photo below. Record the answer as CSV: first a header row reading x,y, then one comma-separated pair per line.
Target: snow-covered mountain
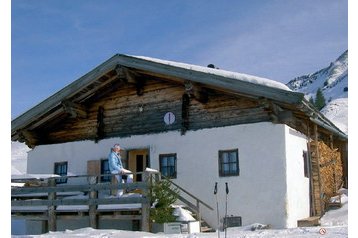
x,y
333,82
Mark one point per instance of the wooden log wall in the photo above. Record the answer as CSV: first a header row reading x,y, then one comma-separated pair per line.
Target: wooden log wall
x,y
126,113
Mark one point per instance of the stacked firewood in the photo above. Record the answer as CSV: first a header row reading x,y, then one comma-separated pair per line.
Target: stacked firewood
x,y
331,170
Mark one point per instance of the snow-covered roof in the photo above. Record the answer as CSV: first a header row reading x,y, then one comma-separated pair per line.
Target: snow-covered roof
x,y
220,72
229,82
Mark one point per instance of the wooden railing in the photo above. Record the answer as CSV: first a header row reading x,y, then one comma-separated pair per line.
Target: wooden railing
x,y
194,206
47,201
43,202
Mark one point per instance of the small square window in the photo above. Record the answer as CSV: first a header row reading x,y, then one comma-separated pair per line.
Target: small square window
x,y
167,164
61,169
229,163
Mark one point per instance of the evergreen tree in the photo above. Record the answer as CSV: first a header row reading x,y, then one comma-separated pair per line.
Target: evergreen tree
x,y
163,196
320,101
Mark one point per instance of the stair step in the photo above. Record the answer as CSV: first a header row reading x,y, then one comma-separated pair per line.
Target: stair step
x,y
309,221
207,229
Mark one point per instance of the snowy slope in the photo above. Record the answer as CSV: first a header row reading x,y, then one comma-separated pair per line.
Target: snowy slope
x,y
18,158
337,112
333,81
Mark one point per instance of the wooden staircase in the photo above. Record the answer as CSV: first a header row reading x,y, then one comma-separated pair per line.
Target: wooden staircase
x,y
194,207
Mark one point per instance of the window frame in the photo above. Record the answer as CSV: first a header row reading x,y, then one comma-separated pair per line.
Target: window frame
x,y
56,171
163,156
221,163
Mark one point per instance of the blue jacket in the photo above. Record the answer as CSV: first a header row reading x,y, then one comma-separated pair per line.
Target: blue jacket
x,y
114,162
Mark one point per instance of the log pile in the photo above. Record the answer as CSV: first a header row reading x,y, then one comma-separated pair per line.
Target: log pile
x,y
331,170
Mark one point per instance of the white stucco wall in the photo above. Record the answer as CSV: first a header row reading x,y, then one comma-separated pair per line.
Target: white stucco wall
x,y
298,201
258,194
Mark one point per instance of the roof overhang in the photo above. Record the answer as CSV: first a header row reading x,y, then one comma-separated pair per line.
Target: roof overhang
x,y
53,106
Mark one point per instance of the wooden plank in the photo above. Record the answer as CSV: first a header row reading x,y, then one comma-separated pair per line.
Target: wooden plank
x,y
308,222
120,217
70,188
93,195
52,222
33,217
97,201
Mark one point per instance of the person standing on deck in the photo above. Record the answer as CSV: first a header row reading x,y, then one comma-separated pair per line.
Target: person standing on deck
x,y
116,167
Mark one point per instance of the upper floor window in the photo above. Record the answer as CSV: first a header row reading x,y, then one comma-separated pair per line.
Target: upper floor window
x,y
168,165
229,163
61,169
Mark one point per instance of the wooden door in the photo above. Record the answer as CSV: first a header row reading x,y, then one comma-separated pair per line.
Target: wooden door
x,y
138,160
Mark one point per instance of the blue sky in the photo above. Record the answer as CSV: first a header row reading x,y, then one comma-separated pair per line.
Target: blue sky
x,y
54,42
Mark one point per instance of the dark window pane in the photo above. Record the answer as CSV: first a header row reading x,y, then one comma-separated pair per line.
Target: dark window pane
x,y
168,165
228,163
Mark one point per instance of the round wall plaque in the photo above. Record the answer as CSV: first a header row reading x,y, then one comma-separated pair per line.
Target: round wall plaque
x,y
169,118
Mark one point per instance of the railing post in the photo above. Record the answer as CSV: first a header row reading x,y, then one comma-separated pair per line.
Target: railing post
x,y
52,226
146,203
198,213
93,194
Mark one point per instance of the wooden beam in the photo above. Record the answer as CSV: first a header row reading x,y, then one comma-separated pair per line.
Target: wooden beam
x,y
52,222
100,124
75,110
277,113
94,90
185,113
285,116
127,76
93,218
45,119
29,137
196,91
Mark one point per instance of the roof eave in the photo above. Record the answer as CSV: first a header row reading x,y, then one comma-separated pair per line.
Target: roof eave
x,y
53,101
228,84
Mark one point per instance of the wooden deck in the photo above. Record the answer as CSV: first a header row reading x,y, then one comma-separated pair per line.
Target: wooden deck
x,y
51,202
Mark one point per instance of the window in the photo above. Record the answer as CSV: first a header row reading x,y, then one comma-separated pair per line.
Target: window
x,y
168,165
306,164
61,169
105,170
229,163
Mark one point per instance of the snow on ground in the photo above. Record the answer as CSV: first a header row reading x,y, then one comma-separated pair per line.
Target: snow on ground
x,y
308,232
18,158
334,224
